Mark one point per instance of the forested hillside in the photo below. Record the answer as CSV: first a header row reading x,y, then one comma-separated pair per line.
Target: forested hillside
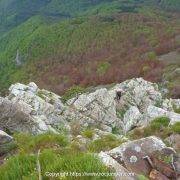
x,y
61,43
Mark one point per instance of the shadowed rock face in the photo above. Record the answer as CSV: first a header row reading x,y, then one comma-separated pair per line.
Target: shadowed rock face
x,y
13,117
5,143
4,138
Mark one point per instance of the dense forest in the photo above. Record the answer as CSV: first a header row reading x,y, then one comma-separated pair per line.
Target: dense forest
x,y
75,42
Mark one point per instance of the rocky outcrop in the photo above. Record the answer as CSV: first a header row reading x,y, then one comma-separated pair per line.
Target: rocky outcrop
x,y
30,109
5,138
98,107
132,153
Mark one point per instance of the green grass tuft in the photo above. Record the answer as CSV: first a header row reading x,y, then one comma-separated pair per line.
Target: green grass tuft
x,y
27,143
104,144
176,128
88,133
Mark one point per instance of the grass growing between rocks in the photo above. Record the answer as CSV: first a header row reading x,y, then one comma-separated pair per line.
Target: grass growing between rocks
x,y
56,155
28,143
19,167
88,133
72,92
25,166
158,127
176,128
104,144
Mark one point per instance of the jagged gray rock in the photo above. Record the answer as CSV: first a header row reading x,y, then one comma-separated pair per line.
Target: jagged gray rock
x,y
131,118
98,107
30,109
154,112
5,138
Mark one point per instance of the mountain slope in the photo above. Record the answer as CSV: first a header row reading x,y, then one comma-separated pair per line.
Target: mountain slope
x,y
106,38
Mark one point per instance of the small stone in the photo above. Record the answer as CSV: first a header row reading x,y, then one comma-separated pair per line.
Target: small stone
x,y
133,159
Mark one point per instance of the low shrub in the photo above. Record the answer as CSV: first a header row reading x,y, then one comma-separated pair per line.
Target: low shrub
x,y
105,143
103,68
141,177
158,127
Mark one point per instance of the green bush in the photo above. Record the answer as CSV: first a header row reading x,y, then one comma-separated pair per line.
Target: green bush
x,y
159,123
176,128
27,143
72,92
151,55
141,177
105,143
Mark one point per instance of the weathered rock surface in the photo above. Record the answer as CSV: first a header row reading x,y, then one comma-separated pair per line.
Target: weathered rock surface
x,y
154,112
121,172
131,118
132,154
176,103
30,109
174,141
98,107
142,157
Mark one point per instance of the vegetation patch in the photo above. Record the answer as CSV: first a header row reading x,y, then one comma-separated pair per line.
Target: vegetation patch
x,y
72,92
158,127
25,166
104,144
103,68
88,133
176,128
28,143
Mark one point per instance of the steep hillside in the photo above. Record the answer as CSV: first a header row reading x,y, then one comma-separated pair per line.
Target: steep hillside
x,y
65,43
170,4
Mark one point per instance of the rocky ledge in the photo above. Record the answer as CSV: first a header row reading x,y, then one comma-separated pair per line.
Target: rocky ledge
x,y
30,109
